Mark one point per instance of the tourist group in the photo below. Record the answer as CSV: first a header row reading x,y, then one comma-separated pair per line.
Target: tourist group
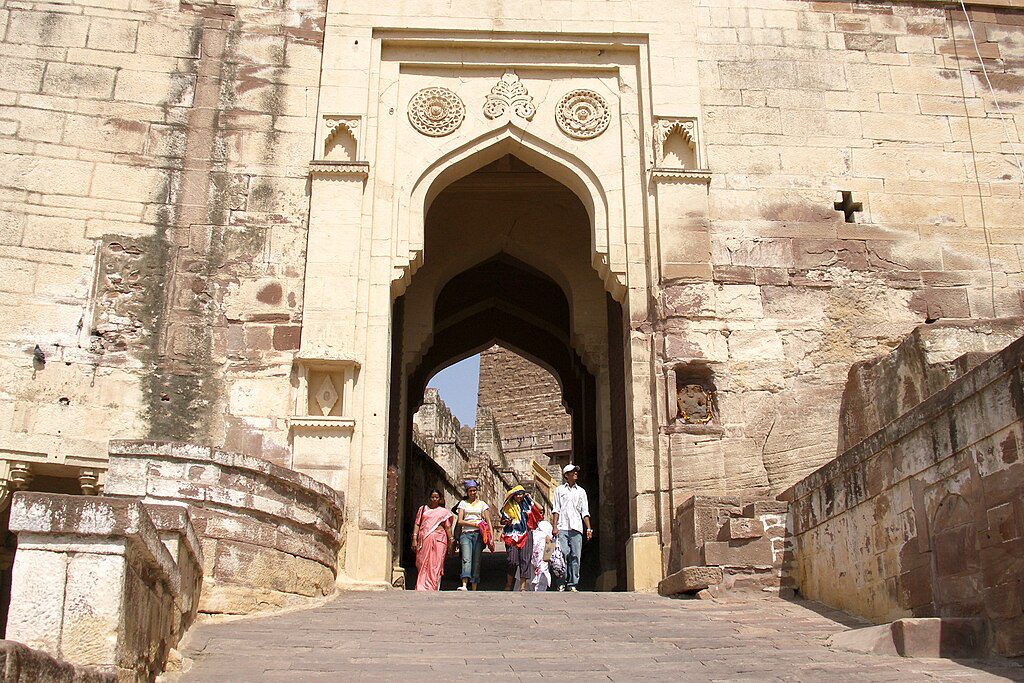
x,y
539,551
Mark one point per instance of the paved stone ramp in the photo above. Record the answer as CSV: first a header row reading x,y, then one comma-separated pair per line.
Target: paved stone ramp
x,y
587,636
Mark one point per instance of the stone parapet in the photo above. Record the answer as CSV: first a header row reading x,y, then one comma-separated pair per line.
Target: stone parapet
x,y
270,537
21,664
923,518
94,585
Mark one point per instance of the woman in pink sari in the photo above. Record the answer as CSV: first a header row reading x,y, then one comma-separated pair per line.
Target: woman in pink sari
x,y
431,538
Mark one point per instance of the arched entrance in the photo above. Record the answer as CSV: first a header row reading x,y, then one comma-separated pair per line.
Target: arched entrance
x,y
507,259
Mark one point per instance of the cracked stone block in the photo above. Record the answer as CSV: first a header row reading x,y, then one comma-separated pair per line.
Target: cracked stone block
x,y
690,580
741,529
731,553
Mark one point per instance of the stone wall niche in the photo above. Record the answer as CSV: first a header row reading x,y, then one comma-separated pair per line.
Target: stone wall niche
x,y
321,428
681,187
692,398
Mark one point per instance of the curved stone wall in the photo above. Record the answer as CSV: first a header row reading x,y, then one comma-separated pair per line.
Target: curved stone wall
x,y
271,537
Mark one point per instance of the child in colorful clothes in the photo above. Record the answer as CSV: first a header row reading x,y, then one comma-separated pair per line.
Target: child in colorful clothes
x,y
519,517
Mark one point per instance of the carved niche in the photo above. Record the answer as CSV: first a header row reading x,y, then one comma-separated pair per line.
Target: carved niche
x,y
436,111
582,114
341,142
509,92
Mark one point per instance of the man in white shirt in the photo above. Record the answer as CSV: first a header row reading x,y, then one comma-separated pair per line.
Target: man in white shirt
x,y
570,517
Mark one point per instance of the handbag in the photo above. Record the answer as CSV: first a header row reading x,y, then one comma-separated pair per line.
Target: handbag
x,y
557,563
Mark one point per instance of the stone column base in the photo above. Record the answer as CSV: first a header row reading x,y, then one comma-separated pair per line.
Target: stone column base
x,y
369,566
643,562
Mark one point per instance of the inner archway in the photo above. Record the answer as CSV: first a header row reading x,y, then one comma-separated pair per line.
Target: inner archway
x,y
507,261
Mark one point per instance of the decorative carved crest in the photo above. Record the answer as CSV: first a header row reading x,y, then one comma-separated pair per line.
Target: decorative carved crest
x,y
436,111
582,114
509,92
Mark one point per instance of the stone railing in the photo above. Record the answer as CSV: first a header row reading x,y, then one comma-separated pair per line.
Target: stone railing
x,y
94,583
923,518
271,536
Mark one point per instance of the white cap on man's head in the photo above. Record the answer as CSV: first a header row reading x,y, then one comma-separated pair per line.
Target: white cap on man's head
x,y
569,468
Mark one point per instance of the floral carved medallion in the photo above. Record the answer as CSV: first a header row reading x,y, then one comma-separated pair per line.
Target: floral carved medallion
x,y
509,92
582,114
436,111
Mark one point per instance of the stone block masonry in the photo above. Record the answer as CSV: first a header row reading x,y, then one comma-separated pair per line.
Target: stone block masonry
x,y
526,402
271,537
94,585
924,517
153,157
21,664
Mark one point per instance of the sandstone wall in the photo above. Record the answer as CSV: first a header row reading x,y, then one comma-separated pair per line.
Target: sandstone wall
x,y
153,161
925,516
20,664
526,401
270,537
798,101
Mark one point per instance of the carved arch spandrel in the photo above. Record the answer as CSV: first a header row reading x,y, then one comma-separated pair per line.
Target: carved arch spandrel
x,y
604,208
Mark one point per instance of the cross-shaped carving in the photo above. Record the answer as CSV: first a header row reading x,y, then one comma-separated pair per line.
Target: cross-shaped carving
x,y
848,206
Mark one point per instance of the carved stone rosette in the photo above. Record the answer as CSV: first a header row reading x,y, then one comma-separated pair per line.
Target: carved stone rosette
x,y
436,111
582,114
509,92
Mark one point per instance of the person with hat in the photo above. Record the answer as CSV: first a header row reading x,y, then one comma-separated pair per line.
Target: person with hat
x,y
473,514
570,517
519,517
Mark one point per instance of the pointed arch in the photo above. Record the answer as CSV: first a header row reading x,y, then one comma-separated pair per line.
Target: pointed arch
x,y
603,208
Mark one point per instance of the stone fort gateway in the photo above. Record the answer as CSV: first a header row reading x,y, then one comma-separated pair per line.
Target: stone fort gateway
x,y
756,266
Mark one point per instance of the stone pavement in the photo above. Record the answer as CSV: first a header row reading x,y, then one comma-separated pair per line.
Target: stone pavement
x,y
396,635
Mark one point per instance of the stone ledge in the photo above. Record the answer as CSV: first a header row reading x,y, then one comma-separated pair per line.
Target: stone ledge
x,y
682,175
41,515
355,169
177,450
924,637
690,580
22,664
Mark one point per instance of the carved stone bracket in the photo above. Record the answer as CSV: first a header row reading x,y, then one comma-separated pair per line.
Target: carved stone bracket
x,y
20,476
509,92
89,480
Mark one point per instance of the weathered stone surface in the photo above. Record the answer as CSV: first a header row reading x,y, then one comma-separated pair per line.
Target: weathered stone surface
x,y
934,497
113,595
947,637
742,529
21,664
382,635
931,637
690,580
257,524
872,640
755,553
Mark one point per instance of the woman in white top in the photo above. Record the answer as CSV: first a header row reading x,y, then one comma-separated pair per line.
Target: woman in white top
x,y
472,511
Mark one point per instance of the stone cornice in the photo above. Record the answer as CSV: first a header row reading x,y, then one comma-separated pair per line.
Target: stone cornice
x,y
353,169
682,175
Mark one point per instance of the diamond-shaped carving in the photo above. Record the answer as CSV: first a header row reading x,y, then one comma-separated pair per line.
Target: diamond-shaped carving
x,y
326,396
